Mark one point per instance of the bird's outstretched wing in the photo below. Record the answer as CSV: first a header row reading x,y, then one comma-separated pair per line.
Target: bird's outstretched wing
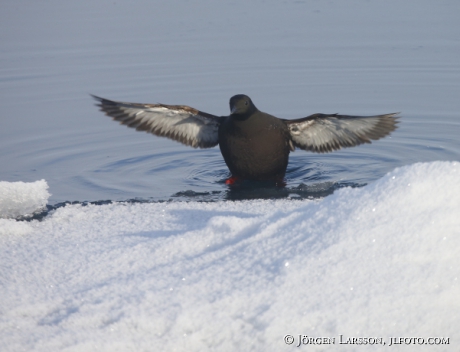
x,y
178,122
322,133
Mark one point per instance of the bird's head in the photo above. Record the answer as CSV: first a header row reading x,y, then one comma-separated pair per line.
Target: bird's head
x,y
241,105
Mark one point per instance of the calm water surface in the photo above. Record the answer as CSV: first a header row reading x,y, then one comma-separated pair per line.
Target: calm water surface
x,y
370,59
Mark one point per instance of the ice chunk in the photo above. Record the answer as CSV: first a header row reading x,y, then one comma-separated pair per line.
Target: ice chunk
x,y
22,198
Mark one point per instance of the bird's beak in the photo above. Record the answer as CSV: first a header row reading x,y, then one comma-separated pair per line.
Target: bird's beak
x,y
233,110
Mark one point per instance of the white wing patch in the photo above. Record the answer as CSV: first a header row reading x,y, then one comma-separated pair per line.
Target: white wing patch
x,y
178,122
324,133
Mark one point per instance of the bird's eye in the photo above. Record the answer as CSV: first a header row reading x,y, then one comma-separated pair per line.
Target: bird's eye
x,y
246,102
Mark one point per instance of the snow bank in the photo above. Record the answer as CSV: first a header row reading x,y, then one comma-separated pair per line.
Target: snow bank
x,y
20,198
380,261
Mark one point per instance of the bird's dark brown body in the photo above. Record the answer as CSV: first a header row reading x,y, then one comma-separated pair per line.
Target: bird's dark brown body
x,y
255,148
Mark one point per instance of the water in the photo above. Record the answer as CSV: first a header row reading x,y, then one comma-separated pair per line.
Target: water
x,y
292,58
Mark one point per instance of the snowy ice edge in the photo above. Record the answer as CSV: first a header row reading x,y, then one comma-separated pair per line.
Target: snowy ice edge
x,y
25,198
22,198
380,261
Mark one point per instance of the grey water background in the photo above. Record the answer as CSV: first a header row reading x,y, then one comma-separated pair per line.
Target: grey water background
x,y
293,58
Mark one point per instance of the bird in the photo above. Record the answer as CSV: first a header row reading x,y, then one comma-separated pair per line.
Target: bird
x,y
255,145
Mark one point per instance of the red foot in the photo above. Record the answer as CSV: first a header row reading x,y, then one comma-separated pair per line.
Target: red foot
x,y
280,183
232,180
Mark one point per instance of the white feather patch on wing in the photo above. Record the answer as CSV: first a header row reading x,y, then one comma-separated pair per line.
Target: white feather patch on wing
x,y
324,133
178,122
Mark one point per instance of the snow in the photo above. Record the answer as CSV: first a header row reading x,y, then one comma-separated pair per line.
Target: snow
x,y
378,261
22,198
